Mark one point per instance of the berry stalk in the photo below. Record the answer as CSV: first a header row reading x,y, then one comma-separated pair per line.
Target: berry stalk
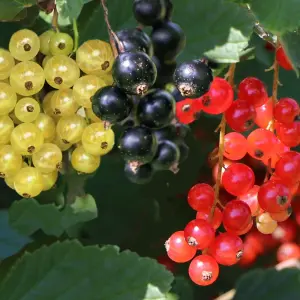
x,y
54,22
76,35
112,36
222,128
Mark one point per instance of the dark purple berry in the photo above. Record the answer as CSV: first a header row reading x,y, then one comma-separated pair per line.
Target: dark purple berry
x,y
141,175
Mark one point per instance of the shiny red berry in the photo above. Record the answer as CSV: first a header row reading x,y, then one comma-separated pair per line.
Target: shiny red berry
x,y
236,216
217,217
289,134
238,179
199,233
249,256
288,167
286,231
286,110
288,251
261,143
219,97
283,60
201,196
227,249
253,90
178,249
282,215
274,196
264,114
184,111
240,115
203,270
250,198
235,146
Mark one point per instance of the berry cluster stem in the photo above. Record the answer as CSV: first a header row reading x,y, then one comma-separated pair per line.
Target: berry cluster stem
x,y
54,22
222,128
275,79
112,36
76,35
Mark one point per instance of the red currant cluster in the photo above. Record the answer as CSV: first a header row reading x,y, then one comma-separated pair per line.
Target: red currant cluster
x,y
264,204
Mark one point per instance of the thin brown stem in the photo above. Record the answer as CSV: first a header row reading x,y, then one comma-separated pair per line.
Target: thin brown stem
x,y
54,22
222,128
113,38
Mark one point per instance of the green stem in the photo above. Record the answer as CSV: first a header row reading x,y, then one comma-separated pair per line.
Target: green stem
x,y
76,35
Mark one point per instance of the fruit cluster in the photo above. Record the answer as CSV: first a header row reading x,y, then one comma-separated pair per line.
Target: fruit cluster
x,y
46,105
267,204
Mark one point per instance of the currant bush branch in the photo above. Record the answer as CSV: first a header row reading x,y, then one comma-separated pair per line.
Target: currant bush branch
x,y
112,36
222,128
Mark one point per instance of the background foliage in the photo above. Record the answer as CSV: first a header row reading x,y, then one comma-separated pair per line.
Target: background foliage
x,y
139,218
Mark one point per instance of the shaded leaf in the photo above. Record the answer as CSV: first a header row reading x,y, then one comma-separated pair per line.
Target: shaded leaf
x,y
68,270
28,215
269,284
70,8
211,24
277,16
9,9
10,240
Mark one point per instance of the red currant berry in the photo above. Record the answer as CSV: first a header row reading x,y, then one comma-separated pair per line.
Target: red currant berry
x,y
286,110
219,97
261,143
238,179
227,249
274,197
199,233
249,256
264,114
215,170
185,113
286,231
288,167
288,251
235,146
204,214
201,196
167,262
283,215
203,270
240,115
278,150
283,60
253,90
242,231
256,240
236,216
250,198
289,134
296,210
178,249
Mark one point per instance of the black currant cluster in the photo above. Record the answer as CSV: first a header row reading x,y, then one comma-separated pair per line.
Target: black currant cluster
x,y
152,139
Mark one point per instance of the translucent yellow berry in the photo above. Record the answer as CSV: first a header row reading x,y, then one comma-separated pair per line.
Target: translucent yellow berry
x,y
84,162
6,128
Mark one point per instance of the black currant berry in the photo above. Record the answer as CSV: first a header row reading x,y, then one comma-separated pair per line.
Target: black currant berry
x,y
169,10
134,72
135,39
141,175
166,133
165,72
176,94
149,12
168,40
111,104
166,157
193,78
184,151
182,130
138,145
156,109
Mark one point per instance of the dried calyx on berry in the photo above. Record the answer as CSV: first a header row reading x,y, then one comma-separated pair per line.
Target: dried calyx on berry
x,y
134,72
141,175
193,78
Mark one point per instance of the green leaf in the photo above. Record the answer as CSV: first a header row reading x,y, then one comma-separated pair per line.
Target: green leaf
x,y
68,270
232,50
277,16
10,240
211,24
28,215
9,9
70,8
269,284
290,42
91,23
